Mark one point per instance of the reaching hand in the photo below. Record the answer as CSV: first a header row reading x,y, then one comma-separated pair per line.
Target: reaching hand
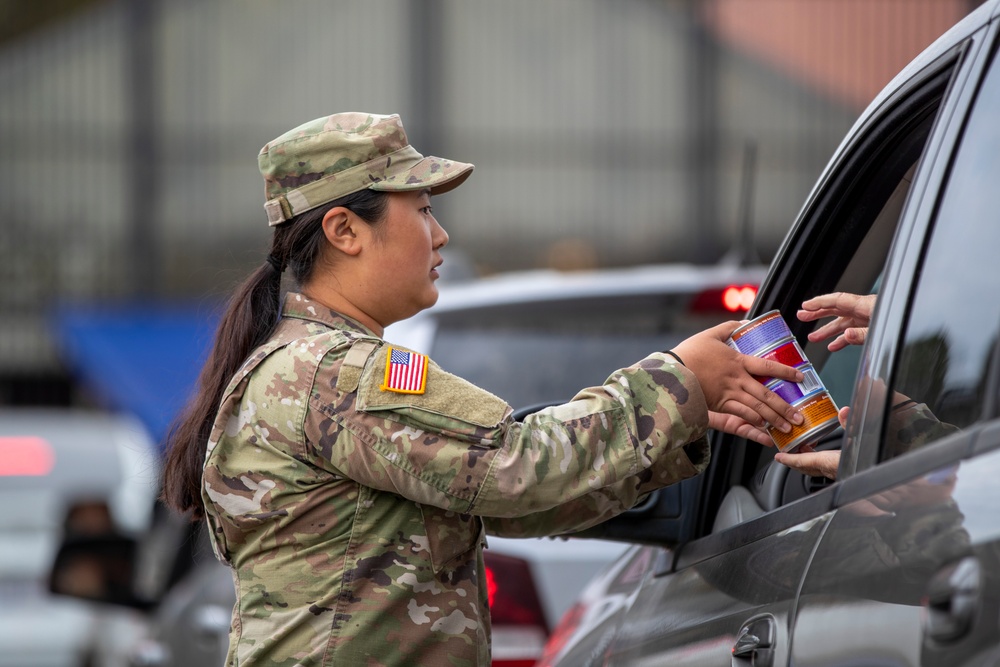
x,y
720,421
810,462
852,312
726,378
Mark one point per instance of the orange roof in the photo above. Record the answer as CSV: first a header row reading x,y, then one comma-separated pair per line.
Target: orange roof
x,y
846,49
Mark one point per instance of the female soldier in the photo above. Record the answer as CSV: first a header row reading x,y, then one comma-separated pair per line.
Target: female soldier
x,y
347,481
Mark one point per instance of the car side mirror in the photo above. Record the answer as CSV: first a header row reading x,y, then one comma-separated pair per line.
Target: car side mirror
x,y
99,569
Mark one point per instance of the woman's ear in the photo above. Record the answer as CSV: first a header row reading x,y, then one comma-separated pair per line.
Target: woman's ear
x,y
341,228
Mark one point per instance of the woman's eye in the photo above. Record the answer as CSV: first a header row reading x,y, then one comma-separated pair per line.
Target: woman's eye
x,y
427,210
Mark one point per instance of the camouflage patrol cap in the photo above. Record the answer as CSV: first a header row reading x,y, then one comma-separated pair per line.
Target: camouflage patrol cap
x,y
334,156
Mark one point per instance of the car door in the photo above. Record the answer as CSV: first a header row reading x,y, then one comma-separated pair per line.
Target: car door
x,y
730,596
907,571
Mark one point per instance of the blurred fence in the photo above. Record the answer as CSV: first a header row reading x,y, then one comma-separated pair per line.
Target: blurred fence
x,y
622,127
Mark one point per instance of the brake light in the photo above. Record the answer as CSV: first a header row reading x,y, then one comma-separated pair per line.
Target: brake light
x,y
729,299
22,456
519,627
735,298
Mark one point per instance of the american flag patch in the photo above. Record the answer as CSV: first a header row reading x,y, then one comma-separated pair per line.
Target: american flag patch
x,y
405,372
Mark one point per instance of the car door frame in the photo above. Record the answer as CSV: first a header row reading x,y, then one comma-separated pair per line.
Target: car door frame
x,y
879,358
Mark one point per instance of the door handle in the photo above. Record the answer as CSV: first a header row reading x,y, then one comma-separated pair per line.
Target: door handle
x,y
952,600
755,642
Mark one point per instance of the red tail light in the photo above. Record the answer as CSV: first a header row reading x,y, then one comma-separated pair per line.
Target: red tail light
x,y
519,626
729,299
735,299
25,455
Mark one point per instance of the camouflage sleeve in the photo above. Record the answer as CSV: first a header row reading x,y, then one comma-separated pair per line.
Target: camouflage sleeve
x,y
456,447
602,504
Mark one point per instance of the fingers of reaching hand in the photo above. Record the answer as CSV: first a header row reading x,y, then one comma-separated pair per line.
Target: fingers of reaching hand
x,y
831,329
771,369
816,464
850,310
760,406
856,335
837,304
739,427
754,402
842,416
850,336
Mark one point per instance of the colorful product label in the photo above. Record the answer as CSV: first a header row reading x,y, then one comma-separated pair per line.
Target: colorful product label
x,y
769,337
819,418
760,334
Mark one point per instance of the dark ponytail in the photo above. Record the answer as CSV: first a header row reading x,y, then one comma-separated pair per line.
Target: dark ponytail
x,y
249,320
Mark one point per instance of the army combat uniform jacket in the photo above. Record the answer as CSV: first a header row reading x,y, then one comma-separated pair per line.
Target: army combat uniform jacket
x,y
353,513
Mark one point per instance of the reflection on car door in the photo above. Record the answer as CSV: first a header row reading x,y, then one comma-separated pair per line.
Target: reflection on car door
x,y
725,601
906,573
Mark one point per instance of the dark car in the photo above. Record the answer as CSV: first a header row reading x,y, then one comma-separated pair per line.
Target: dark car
x,y
897,561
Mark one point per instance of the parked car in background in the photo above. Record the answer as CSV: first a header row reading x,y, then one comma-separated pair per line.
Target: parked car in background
x,y
531,338
63,475
897,560
536,338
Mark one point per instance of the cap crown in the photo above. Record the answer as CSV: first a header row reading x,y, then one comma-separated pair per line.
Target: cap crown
x,y
326,146
331,157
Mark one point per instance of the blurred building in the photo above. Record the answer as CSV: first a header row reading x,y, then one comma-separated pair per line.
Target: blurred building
x,y
607,132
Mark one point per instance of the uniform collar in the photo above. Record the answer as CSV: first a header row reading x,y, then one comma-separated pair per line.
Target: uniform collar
x,y
301,307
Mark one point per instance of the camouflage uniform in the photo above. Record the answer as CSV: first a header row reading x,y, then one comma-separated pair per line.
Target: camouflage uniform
x,y
353,517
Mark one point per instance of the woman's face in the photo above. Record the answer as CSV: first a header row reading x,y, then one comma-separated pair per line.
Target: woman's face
x,y
405,254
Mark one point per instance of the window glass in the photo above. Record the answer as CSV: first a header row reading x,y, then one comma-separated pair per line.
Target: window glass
x,y
845,251
543,352
526,367
951,333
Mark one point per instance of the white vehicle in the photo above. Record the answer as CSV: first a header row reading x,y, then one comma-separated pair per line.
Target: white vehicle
x,y
65,474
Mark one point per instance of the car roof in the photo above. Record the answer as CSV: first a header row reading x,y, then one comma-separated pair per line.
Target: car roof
x,y
549,285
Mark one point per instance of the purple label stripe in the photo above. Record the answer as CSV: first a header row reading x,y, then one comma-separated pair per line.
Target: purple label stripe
x,y
763,335
790,392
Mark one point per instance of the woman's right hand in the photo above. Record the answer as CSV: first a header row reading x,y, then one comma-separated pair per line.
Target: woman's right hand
x,y
727,379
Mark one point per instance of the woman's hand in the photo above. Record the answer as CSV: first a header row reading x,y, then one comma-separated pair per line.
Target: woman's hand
x,y
853,313
721,421
810,462
726,379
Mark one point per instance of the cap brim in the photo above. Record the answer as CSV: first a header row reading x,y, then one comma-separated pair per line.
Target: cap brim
x,y
438,174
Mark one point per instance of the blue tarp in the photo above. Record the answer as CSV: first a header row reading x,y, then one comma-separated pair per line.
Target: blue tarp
x,y
142,359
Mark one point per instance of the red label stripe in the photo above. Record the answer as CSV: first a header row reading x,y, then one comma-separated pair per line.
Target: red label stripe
x,y
787,354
